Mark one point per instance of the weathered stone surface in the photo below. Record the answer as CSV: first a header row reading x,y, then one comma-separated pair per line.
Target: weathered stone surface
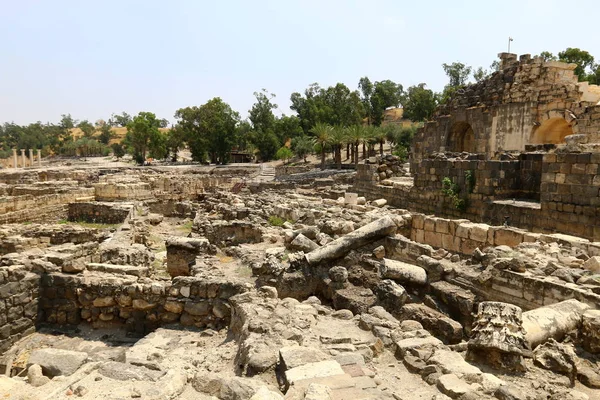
x,y
339,247
452,362
498,337
182,253
452,386
302,243
552,321
313,370
296,356
556,357
56,362
437,323
35,376
403,272
590,331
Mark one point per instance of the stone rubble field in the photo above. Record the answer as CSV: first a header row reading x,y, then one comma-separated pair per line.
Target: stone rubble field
x,y
212,286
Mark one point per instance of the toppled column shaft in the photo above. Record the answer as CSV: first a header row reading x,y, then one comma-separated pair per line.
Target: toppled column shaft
x,y
553,321
339,247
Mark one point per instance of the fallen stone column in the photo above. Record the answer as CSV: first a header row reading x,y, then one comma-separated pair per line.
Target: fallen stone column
x,y
403,272
339,247
553,321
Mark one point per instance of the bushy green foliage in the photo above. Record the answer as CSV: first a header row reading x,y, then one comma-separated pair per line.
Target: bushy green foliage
x,y
276,221
284,154
303,146
452,190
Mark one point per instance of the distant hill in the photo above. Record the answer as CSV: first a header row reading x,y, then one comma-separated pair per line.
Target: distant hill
x,y
118,133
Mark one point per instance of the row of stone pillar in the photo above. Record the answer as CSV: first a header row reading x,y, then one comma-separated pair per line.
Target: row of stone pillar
x,y
16,160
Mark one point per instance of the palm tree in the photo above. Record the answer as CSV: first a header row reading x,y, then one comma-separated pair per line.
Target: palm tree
x,y
379,135
337,139
322,133
356,135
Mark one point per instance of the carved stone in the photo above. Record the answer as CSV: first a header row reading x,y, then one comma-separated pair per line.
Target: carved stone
x,y
498,337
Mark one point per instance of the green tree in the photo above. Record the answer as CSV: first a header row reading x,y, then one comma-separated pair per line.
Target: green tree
x,y
356,136
303,146
458,73
122,119
87,129
263,125
385,94
582,58
420,103
284,154
105,133
322,133
118,150
175,141
142,135
337,138
210,128
547,56
287,127
366,89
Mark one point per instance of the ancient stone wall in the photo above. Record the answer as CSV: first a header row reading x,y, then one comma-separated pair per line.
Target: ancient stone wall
x,y
98,212
526,102
282,170
569,199
139,307
44,208
19,290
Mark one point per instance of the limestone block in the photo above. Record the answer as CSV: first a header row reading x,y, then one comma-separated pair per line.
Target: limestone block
x,y
507,237
592,264
591,331
55,362
313,370
478,232
351,198
296,356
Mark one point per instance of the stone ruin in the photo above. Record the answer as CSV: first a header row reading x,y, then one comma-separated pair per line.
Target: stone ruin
x,y
246,283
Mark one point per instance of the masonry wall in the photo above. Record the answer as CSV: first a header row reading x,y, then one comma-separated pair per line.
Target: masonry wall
x,y
139,307
569,200
19,291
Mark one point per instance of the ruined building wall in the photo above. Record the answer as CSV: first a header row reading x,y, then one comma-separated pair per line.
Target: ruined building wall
x,y
527,102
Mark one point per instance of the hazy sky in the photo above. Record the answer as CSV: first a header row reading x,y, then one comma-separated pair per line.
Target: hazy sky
x,y
92,58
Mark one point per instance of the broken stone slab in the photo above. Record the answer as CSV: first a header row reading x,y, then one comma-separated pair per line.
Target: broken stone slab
x,y
553,321
302,243
315,391
452,386
452,362
391,295
55,362
338,248
592,264
403,272
405,345
440,325
296,356
313,370
118,269
556,357
379,202
126,372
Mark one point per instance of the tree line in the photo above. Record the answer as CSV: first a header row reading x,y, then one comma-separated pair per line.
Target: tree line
x,y
327,120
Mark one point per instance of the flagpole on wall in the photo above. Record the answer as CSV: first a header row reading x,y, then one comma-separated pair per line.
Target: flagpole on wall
x,y
509,40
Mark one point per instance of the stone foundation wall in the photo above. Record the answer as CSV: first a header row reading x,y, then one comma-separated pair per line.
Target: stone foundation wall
x,y
289,170
117,191
19,291
29,208
139,307
570,201
96,212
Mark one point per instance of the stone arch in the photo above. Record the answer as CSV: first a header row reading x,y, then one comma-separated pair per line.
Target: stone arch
x,y
461,138
551,131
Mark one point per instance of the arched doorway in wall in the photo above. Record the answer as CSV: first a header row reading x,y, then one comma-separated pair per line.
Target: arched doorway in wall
x,y
461,138
551,131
